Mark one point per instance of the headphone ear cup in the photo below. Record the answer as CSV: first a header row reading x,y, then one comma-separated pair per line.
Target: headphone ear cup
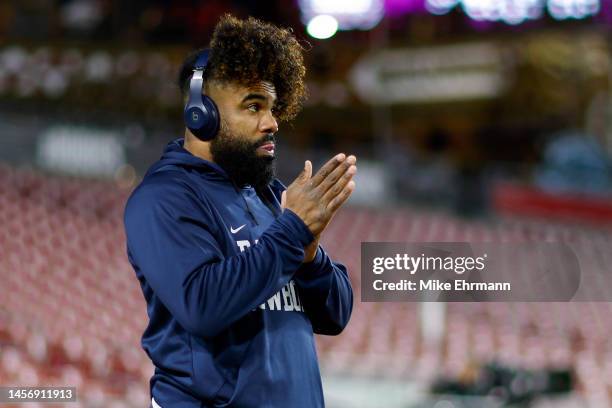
x,y
202,119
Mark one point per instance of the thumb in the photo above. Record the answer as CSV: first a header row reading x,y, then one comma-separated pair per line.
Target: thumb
x,y
284,199
306,174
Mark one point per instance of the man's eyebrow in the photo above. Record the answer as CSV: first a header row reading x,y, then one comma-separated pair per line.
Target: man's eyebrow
x,y
256,96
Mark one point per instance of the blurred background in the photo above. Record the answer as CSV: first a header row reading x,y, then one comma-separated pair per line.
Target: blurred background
x,y
473,120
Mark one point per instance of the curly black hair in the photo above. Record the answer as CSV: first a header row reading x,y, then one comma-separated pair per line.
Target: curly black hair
x,y
250,51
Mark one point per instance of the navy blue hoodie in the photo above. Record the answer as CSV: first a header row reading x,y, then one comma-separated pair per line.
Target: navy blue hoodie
x,y
232,308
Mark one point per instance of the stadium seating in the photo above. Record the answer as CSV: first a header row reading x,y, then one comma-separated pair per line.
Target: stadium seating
x,y
71,310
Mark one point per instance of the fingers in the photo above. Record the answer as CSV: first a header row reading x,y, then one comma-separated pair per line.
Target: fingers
x,y
337,175
342,197
339,184
327,169
316,198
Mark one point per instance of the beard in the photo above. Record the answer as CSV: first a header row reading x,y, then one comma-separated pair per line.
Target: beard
x,y
238,157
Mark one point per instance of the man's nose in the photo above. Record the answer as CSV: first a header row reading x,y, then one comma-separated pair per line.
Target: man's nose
x,y
268,124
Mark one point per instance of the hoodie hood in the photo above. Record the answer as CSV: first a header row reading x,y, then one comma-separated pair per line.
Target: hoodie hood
x,y
175,154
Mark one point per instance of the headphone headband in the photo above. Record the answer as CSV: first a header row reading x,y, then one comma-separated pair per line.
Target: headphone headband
x,y
202,60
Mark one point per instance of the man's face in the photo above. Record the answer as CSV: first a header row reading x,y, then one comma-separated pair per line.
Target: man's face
x,y
245,145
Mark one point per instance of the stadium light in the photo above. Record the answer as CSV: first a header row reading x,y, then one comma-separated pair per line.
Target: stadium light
x,y
509,11
440,6
517,11
564,9
349,14
322,27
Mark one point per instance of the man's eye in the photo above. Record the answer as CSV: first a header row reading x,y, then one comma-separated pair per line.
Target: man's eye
x,y
253,107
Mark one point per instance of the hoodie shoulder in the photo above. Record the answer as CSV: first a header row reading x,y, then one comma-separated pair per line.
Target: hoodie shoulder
x,y
162,189
169,179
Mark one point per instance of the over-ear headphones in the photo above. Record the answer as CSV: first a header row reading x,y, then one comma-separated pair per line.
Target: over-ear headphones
x,y
201,114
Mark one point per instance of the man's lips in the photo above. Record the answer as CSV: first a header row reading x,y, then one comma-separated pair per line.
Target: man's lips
x,y
267,147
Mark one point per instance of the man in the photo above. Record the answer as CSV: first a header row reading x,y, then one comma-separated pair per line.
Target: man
x,y
227,258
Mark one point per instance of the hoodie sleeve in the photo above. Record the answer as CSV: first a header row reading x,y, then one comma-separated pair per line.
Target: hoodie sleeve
x,y
326,293
170,240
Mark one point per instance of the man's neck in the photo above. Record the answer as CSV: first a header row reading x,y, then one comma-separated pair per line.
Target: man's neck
x,y
197,147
